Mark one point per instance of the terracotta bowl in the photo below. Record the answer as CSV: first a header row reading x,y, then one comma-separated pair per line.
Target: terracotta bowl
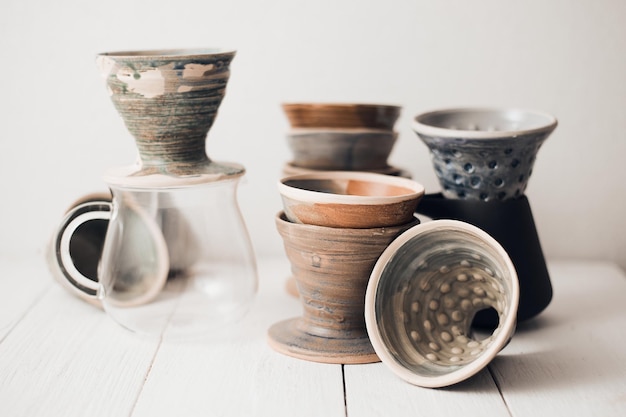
x,y
423,294
341,149
340,115
349,199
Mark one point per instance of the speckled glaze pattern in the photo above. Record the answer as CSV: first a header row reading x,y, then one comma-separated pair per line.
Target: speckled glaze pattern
x,y
169,100
483,154
424,294
496,169
331,267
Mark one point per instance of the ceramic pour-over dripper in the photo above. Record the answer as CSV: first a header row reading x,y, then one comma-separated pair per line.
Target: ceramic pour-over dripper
x,y
483,154
424,293
332,267
483,159
348,199
168,100
176,261
334,228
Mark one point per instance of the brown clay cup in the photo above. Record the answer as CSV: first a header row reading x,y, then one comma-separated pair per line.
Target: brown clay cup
x,y
331,267
341,115
347,199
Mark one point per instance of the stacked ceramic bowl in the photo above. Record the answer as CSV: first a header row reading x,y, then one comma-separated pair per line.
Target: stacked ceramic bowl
x,y
377,285
341,137
334,226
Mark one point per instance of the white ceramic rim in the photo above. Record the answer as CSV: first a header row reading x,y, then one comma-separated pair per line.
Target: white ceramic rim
x,y
124,177
500,340
321,197
435,131
64,250
168,53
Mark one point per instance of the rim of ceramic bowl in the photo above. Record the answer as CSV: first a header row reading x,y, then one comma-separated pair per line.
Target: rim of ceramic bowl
x,y
281,218
168,53
421,126
289,170
312,196
301,131
505,328
293,105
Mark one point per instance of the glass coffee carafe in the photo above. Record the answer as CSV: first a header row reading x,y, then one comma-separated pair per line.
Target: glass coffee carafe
x,y
176,259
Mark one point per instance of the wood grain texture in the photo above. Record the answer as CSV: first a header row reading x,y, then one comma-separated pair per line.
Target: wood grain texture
x,y
67,358
63,357
571,360
373,390
23,281
235,373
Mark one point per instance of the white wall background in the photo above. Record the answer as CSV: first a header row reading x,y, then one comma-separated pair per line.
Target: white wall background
x,y
59,132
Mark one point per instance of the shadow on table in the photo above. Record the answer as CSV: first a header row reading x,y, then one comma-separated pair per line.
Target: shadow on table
x,y
554,353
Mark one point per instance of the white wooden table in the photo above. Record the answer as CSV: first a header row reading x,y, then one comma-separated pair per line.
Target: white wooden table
x,y
62,357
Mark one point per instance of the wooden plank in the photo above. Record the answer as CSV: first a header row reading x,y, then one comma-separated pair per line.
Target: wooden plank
x,y
60,356
236,374
571,359
373,390
66,358
23,281
238,379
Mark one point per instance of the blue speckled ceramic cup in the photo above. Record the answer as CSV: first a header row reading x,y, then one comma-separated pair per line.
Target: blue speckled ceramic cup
x,y
483,154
